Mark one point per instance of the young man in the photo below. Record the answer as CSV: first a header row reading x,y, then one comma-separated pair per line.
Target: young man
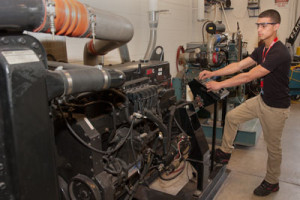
x,y
271,106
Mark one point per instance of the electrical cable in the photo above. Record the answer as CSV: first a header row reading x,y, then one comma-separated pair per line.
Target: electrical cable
x,y
173,177
225,17
142,175
132,148
125,98
118,146
193,160
178,125
170,123
161,126
110,171
178,149
101,101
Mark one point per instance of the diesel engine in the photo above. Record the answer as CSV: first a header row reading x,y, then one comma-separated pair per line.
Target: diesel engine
x,y
110,142
92,131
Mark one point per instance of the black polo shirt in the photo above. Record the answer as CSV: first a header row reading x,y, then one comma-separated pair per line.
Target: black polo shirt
x,y
276,83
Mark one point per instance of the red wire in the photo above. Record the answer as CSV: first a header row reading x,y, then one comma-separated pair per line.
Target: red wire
x,y
178,170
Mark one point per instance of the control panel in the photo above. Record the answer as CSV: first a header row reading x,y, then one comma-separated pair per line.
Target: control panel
x,y
198,88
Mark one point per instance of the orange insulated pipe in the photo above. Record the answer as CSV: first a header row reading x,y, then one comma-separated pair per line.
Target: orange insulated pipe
x,y
71,18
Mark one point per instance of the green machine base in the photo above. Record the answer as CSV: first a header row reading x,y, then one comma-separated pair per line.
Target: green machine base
x,y
247,134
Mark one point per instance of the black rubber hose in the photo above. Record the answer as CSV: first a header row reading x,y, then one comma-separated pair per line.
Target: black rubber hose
x,y
161,126
126,102
72,131
143,174
66,66
170,124
19,15
66,82
55,85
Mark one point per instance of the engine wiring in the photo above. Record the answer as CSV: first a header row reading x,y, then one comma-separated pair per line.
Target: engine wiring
x,y
178,158
73,132
113,165
178,172
129,196
113,113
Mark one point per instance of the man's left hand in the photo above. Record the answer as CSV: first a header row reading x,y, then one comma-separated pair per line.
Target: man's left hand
x,y
213,85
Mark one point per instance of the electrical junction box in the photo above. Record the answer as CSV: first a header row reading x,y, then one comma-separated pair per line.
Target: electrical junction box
x,y
253,8
254,4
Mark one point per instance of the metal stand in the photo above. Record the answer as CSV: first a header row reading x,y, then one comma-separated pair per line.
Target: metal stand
x,y
214,134
213,145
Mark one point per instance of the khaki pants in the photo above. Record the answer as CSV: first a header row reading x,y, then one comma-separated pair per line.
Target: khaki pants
x,y
272,121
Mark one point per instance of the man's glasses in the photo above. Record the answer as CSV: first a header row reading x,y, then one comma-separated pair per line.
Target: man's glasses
x,y
264,25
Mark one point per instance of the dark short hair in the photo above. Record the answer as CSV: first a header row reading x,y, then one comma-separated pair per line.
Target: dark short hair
x,y
273,14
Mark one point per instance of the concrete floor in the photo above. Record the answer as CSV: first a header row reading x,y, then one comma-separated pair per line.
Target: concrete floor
x,y
248,166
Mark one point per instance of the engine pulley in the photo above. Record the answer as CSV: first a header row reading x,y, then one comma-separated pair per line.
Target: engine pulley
x,y
83,188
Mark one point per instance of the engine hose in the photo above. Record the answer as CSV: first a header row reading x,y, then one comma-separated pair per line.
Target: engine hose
x,y
128,117
143,174
118,146
161,126
111,136
171,119
109,170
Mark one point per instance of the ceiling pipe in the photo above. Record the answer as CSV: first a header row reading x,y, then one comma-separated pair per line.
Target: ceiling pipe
x,y
69,18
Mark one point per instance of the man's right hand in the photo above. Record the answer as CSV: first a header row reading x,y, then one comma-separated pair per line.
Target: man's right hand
x,y
205,74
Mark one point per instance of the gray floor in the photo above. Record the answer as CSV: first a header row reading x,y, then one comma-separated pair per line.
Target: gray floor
x,y
248,165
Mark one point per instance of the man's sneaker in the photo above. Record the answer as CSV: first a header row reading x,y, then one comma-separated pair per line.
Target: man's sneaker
x,y
266,188
222,157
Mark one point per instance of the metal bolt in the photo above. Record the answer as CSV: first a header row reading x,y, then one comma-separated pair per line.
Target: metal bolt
x,y
22,40
2,185
35,45
160,135
4,40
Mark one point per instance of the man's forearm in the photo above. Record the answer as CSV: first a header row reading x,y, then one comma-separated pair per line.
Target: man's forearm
x,y
229,69
236,80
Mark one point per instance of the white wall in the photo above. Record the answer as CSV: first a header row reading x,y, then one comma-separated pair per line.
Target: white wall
x,y
179,25
247,24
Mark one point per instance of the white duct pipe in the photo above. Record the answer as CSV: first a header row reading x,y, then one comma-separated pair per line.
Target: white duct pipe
x,y
201,8
152,5
153,23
